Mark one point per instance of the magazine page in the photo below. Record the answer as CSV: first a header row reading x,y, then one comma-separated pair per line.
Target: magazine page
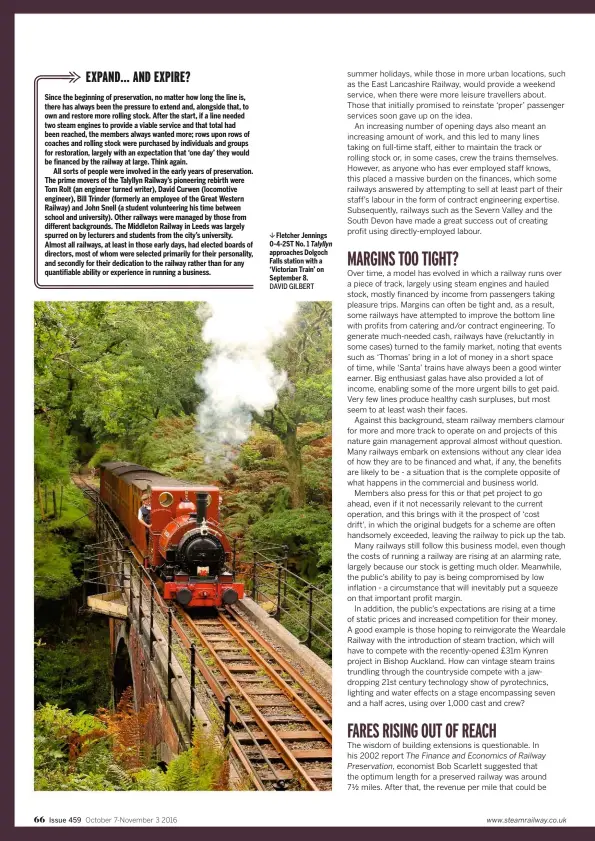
x,y
304,385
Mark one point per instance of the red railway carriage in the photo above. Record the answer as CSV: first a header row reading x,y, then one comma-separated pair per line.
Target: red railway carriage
x,y
184,544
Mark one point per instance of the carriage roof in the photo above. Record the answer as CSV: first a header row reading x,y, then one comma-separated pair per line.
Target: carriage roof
x,y
141,477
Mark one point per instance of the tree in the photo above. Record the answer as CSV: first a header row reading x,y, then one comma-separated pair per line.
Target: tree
x,y
306,356
113,367
53,455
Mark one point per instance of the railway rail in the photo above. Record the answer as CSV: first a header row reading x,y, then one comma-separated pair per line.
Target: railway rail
x,y
278,726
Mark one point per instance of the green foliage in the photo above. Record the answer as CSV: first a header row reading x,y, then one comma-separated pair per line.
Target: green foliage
x,y
305,353
76,753
72,513
54,557
302,530
55,549
280,498
50,719
53,455
73,672
180,775
318,481
116,366
171,445
262,450
197,769
245,511
150,779
109,451
325,562
58,735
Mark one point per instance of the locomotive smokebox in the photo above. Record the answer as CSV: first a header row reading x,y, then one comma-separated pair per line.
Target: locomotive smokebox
x,y
202,499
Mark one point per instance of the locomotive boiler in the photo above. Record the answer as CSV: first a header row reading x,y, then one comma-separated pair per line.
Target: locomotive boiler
x,y
183,543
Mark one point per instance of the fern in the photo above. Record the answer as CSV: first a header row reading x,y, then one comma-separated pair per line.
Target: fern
x,y
120,778
149,779
108,752
179,775
126,727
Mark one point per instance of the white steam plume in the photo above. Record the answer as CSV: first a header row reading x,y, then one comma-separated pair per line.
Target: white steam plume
x,y
238,378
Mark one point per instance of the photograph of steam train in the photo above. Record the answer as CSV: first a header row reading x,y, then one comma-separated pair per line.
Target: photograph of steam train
x,y
183,565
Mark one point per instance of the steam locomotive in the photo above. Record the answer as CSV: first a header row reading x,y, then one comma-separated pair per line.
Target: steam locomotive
x,y
183,543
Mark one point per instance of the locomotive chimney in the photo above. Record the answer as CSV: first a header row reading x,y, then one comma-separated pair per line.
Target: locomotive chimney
x,y
201,506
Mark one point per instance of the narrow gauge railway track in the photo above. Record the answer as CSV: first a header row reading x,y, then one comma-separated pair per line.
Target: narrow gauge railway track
x,y
278,724
89,490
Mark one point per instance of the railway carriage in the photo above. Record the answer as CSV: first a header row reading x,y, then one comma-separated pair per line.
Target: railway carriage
x,y
184,545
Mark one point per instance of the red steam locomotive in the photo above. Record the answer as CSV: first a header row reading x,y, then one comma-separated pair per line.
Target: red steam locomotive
x,y
182,543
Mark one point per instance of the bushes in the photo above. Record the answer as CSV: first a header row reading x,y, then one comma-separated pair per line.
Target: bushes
x,y
54,552
53,455
171,446
303,530
70,751
53,565
74,670
109,451
105,752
